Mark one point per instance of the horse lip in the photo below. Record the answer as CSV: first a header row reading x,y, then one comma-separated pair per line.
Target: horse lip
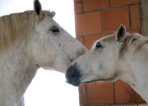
x,y
110,79
75,83
90,81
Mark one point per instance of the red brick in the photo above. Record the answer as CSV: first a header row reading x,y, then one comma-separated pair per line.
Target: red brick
x,y
78,8
122,2
134,31
112,18
88,23
125,94
95,4
81,39
89,40
83,94
77,0
100,93
135,16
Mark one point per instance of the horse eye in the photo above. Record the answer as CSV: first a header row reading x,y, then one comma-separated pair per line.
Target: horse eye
x,y
55,29
98,45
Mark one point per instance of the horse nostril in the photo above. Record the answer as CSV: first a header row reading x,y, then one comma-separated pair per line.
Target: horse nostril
x,y
73,75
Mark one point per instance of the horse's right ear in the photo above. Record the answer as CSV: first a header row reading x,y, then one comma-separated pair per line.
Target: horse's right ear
x,y
121,33
37,7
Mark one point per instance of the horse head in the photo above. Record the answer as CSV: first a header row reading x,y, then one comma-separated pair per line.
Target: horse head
x,y
107,60
51,46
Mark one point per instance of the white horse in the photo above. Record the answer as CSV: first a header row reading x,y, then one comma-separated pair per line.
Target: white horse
x,y
28,41
122,56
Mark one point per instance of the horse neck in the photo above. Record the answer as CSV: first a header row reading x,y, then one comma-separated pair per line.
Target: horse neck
x,y
17,70
134,69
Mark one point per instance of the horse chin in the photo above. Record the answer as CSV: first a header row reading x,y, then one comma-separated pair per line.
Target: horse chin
x,y
61,69
74,83
89,81
109,80
58,69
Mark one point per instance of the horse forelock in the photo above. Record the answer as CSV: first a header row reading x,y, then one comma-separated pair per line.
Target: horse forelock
x,y
17,27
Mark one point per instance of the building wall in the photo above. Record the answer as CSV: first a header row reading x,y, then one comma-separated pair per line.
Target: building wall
x,y
98,18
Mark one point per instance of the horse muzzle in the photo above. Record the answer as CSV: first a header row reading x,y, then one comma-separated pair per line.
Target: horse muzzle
x,y
73,75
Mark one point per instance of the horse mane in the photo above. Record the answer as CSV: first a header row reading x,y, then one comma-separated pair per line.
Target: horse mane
x,y
17,26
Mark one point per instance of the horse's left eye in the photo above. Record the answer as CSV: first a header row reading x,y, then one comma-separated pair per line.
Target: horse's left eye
x,y
98,45
55,29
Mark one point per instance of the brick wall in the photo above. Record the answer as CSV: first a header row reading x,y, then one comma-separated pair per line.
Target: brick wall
x,y
98,18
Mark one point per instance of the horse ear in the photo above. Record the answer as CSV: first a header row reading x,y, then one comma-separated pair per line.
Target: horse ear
x,y
121,33
52,14
37,7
